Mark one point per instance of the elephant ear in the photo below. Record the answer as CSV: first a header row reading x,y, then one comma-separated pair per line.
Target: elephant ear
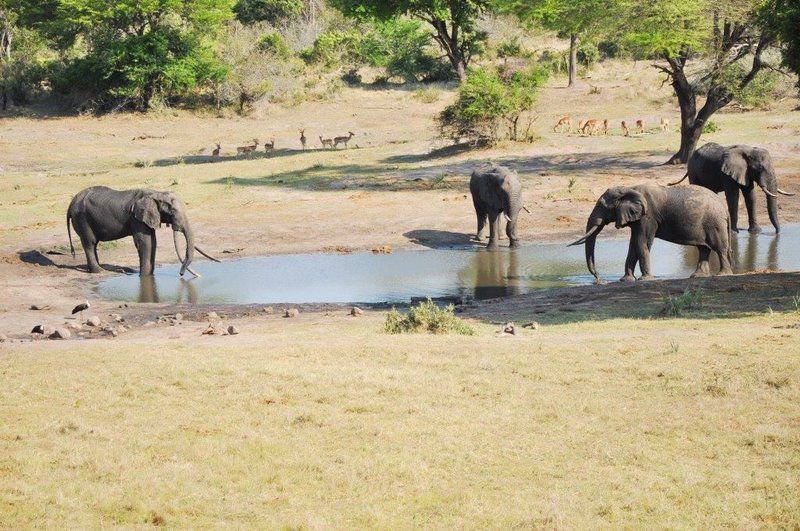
x,y
630,208
146,211
734,165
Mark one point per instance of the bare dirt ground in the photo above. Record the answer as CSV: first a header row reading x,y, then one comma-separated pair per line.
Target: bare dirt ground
x,y
605,416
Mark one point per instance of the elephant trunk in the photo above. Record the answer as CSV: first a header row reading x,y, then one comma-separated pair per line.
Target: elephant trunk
x,y
186,261
511,211
772,209
590,241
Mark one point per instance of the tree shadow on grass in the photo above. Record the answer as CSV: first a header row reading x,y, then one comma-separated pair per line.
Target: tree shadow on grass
x,y
209,159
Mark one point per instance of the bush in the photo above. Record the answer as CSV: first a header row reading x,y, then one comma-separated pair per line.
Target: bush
x,y
272,11
490,104
609,49
274,44
690,299
710,127
429,318
588,54
336,48
554,61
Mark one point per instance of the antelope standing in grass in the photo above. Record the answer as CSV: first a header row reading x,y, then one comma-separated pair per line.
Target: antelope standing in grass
x,y
269,146
562,122
303,139
343,139
215,153
664,123
246,150
640,125
581,124
605,126
625,130
591,126
326,142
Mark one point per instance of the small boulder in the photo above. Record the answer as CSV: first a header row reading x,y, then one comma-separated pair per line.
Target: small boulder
x,y
232,330
209,331
291,312
3,338
268,310
38,307
510,328
93,321
60,333
532,325
117,318
121,329
178,316
149,324
74,325
212,316
356,311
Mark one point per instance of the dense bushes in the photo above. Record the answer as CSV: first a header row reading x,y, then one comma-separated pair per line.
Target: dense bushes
x,y
426,317
490,104
272,11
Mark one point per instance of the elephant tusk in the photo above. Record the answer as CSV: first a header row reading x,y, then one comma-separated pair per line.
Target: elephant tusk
x,y
192,271
199,250
586,236
506,216
526,210
768,192
785,193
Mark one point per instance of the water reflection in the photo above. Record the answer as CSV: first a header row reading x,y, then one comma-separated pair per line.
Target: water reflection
x,y
397,277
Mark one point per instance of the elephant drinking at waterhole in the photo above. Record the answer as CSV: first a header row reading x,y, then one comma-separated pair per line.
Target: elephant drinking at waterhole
x,y
687,215
100,214
494,192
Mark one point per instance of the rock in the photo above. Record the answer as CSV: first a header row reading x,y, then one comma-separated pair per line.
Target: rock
x,y
121,329
111,331
178,316
149,324
123,305
232,330
291,312
38,329
38,307
382,249
93,321
60,333
74,325
209,331
268,310
532,325
356,311
3,338
117,318
212,316
510,328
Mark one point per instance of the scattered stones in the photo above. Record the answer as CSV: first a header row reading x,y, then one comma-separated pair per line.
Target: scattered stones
x,y
356,311
93,321
209,331
121,329
532,325
74,325
291,312
60,333
212,316
382,249
39,307
117,318
232,330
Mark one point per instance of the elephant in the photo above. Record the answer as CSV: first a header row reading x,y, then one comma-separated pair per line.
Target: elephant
x,y
687,215
495,191
734,168
100,214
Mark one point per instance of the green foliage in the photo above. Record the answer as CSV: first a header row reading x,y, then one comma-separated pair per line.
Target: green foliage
x,y
588,54
609,49
553,61
689,300
782,18
710,127
585,18
660,28
756,94
402,47
23,75
427,317
490,103
273,43
272,11
336,48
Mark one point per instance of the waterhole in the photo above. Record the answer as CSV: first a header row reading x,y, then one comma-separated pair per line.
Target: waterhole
x,y
452,272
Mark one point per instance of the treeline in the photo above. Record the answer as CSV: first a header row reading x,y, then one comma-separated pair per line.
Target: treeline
x,y
102,55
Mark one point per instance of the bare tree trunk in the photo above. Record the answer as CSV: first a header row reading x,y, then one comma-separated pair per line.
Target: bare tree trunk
x,y
449,43
574,42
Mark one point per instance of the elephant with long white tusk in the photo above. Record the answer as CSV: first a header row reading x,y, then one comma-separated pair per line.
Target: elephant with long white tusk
x,y
735,169
100,214
496,191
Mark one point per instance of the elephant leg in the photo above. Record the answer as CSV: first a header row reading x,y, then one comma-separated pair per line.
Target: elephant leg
x,y
511,232
732,198
720,242
703,269
481,224
145,244
630,262
644,244
750,203
494,229
90,250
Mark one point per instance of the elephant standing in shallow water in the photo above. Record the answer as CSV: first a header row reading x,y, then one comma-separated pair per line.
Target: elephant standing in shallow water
x,y
733,169
687,215
494,192
100,214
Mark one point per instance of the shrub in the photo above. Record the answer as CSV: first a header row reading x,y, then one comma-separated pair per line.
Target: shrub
x,y
274,44
428,95
553,61
690,299
588,54
336,48
710,127
609,49
490,104
427,317
272,11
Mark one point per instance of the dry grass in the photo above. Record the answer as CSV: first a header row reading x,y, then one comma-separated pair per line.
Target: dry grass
x,y
323,422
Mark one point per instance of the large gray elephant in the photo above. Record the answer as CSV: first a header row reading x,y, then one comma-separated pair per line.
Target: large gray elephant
x,y
100,214
687,215
734,168
494,192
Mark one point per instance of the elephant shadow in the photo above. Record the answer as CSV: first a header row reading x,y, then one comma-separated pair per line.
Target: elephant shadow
x,y
493,274
42,259
441,239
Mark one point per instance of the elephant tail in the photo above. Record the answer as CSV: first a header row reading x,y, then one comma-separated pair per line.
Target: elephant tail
x,y
69,233
680,181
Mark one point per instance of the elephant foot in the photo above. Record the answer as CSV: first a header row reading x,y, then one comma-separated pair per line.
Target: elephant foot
x,y
725,272
628,278
492,246
513,244
95,269
754,229
647,277
699,274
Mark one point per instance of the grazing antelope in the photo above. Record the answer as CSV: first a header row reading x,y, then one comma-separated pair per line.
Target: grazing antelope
x,y
343,139
303,138
605,126
269,146
640,126
625,129
326,142
664,123
563,121
215,153
591,125
582,123
246,150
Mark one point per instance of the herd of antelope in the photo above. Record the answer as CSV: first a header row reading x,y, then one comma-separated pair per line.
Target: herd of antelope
x,y
327,143
591,126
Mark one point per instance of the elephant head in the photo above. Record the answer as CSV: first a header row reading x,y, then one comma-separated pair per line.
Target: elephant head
x,y
750,165
619,204
155,208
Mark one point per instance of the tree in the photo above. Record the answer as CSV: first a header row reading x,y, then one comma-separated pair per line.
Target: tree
x,y
272,11
453,22
712,40
572,19
782,17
